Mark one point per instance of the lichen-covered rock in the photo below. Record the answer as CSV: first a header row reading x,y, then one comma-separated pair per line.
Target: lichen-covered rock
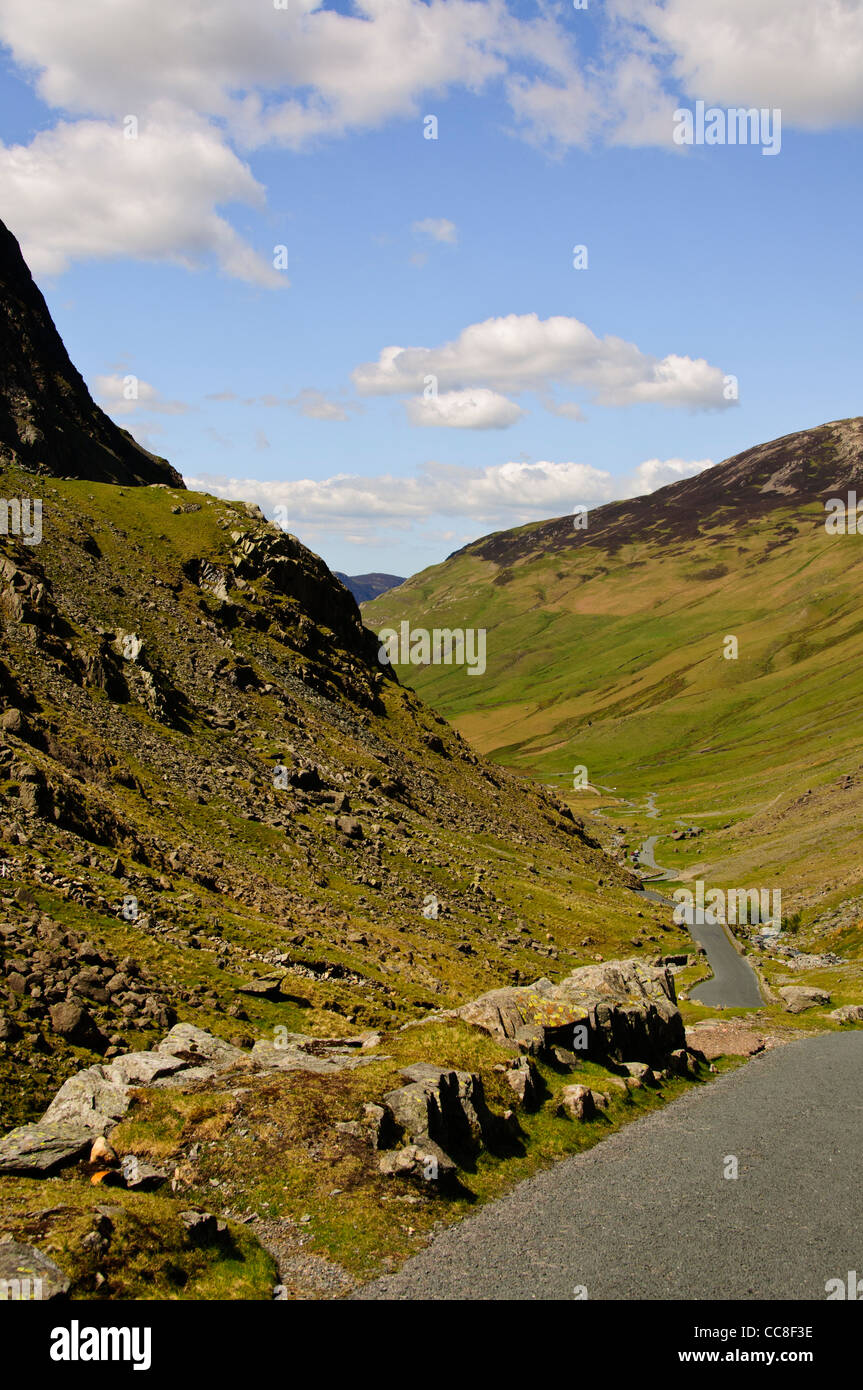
x,y
26,1275
627,1011
34,1150
92,1098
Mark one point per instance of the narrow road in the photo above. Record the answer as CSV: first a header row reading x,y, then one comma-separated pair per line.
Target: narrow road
x,y
649,1214
734,984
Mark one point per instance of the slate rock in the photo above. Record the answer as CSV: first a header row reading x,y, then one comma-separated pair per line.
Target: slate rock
x,y
36,1149
92,1098
186,1041
28,1275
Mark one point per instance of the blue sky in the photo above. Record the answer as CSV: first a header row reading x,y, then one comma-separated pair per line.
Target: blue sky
x,y
260,128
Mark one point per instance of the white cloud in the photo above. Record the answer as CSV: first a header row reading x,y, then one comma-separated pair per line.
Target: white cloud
x,y
437,228
802,56
522,352
505,495
208,77
464,410
655,473
282,75
124,395
82,190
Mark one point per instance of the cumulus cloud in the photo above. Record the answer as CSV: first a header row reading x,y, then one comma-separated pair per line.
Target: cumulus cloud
x,y
437,229
124,395
805,58
464,410
522,352
83,190
208,78
508,494
656,473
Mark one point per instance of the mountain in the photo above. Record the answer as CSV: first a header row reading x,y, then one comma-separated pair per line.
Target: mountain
x,y
49,423
195,721
233,845
368,586
606,649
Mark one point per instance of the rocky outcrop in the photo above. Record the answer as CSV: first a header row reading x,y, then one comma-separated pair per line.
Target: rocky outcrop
x,y
49,422
92,1101
620,1010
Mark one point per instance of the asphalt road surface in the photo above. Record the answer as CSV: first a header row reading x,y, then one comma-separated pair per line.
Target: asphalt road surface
x,y
734,984
648,1213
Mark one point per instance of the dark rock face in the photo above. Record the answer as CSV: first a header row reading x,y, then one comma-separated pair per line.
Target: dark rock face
x,y
49,422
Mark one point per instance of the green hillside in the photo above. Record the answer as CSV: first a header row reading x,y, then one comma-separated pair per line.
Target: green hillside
x,y
605,649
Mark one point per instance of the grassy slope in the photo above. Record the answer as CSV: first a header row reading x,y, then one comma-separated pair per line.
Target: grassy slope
x,y
614,661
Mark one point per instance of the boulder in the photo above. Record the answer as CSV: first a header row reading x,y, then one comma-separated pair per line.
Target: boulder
x,y
37,1149
523,1079
200,1048
796,999
266,987
27,1275
202,1228
143,1068
73,1023
298,1055
92,1098
682,1062
446,1106
577,1102
848,1013
139,1176
641,1072
425,1161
